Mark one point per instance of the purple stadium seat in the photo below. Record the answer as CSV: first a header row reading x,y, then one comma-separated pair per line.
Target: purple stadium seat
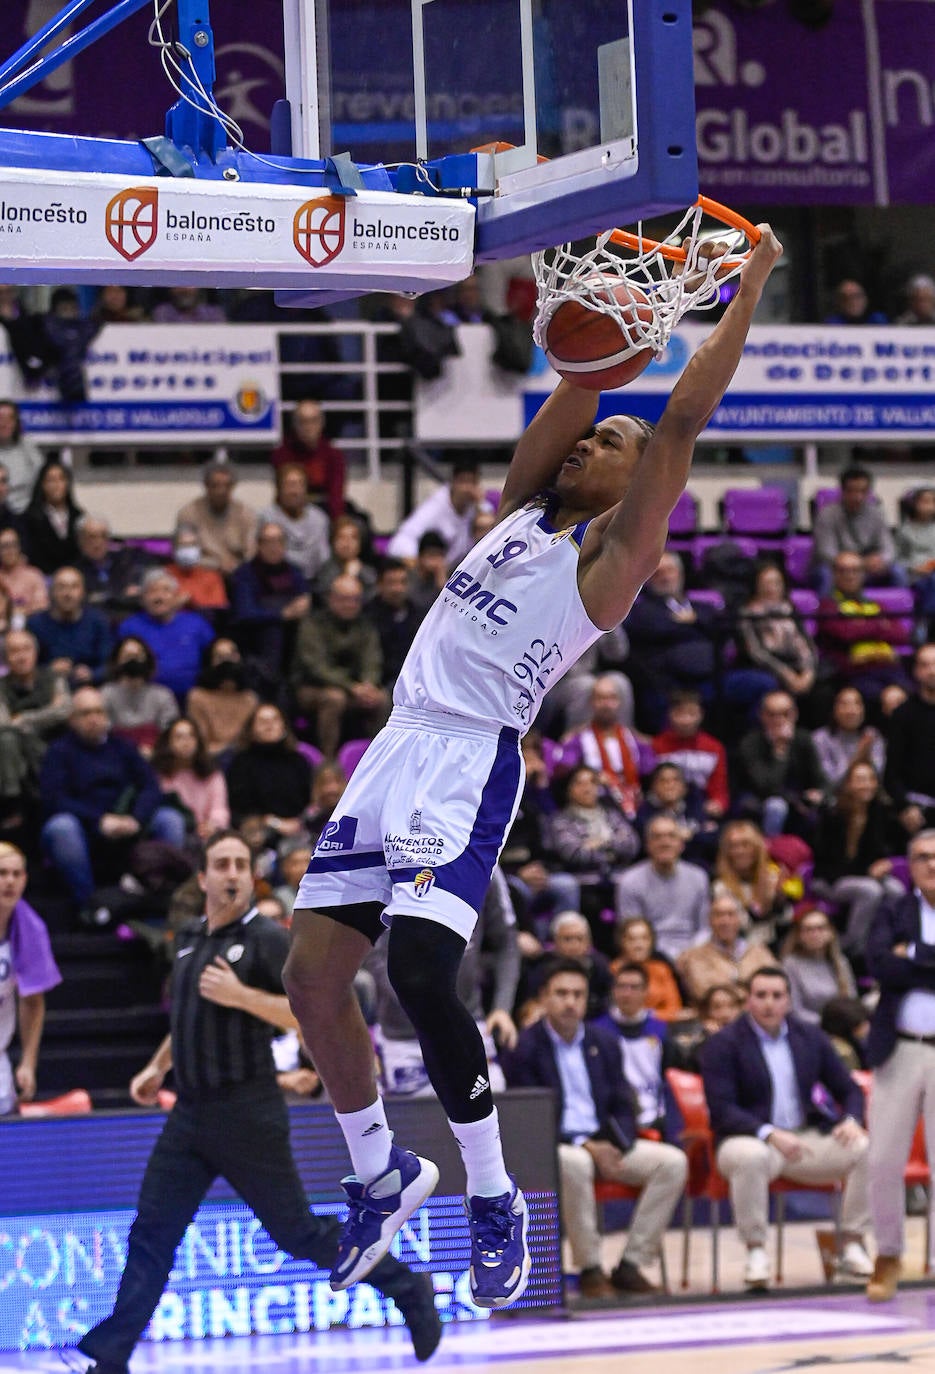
x,y
705,596
381,542
806,605
756,511
492,497
797,555
897,602
703,542
351,753
308,751
684,519
824,496
551,755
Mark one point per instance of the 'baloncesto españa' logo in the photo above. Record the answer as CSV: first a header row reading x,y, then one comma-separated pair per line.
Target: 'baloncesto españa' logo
x,y
131,221
318,229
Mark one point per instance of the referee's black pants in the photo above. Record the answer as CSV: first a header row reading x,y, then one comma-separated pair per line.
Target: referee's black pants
x,y
244,1137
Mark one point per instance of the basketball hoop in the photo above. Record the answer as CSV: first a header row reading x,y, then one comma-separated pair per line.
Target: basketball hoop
x,y
624,270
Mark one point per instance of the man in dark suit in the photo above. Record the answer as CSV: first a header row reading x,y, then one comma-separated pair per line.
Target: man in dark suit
x,y
901,1052
783,1106
597,1132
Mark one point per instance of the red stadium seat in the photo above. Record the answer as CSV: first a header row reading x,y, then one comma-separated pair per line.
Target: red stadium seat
x,y
74,1103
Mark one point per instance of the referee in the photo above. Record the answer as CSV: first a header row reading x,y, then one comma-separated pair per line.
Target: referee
x,y
230,1117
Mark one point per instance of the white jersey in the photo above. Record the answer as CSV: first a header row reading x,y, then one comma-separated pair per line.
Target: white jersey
x,y
507,625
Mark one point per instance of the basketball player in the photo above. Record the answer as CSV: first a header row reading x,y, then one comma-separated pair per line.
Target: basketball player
x,y
413,841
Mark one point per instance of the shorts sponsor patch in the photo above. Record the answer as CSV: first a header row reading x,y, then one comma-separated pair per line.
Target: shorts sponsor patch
x,y
337,836
423,882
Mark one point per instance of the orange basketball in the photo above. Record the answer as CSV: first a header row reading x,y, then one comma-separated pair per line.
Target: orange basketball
x,y
584,345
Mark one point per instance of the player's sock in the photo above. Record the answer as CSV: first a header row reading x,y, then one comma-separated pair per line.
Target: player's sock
x,y
479,1143
368,1139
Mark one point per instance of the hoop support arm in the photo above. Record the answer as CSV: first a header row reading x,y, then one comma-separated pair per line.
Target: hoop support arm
x,y
41,68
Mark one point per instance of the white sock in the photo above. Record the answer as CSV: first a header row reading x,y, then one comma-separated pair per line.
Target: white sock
x,y
369,1148
479,1143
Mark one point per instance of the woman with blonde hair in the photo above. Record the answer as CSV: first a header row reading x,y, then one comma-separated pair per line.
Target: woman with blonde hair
x,y
818,969
636,944
744,869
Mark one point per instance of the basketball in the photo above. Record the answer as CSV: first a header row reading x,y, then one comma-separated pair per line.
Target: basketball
x,y
584,345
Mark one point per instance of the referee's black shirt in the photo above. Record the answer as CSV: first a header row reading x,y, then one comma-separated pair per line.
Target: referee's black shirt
x,y
214,1047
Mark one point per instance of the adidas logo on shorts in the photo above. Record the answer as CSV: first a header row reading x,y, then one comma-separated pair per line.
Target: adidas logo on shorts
x,y
480,1086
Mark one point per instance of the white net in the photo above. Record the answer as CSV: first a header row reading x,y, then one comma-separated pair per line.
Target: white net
x,y
623,271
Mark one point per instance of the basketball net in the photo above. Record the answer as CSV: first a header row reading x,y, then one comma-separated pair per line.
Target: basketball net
x,y
674,274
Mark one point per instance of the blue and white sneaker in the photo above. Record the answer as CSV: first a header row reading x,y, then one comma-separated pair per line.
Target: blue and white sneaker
x,y
500,1261
376,1212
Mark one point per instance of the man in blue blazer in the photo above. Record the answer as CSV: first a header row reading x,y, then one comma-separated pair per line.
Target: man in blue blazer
x,y
597,1132
901,1052
783,1105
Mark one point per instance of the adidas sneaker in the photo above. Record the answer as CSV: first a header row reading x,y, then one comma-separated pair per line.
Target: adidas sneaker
x,y
377,1210
500,1261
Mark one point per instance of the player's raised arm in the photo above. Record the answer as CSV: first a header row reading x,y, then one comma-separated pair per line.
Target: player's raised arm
x,y
551,435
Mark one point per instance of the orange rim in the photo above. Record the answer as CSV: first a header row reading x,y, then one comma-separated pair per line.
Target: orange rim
x,y
715,209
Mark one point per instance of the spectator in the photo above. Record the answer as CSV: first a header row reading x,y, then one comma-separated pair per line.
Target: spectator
x,y
113,576
910,748
670,893
430,571
915,546
597,1134
178,638
293,857
726,958
448,512
846,1022
113,306
307,447
570,700
891,698
25,584
848,739
226,527
854,635
605,746
774,649
21,459
745,870
920,301
27,972
346,545
187,305
851,305
304,525
34,706
200,588
783,1106
779,778
539,890
269,596
671,645
9,520
63,338
73,637
138,708
269,783
99,795
185,772
854,842
328,784
221,703
571,939
855,524
817,968
636,944
337,669
668,794
395,616
591,839
701,757
51,519
642,1044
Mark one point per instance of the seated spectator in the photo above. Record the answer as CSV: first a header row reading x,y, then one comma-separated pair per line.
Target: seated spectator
x,y
855,524
539,892
306,446
642,1043
591,839
779,779
304,525
138,708
113,575
852,306
26,585
568,704
328,784
701,757
99,795
782,1105
846,1022
448,512
187,305
597,1134
337,669
910,748
670,893
114,306
221,703
668,794
571,939
726,958
773,648
50,521
226,527
178,638
293,857
21,460
269,783
27,972
395,616
671,646
718,1008
920,301
854,635
73,638
608,748
34,705
636,944
915,546
848,739
186,774
268,596
856,837
818,969
345,559
430,571
200,588
745,870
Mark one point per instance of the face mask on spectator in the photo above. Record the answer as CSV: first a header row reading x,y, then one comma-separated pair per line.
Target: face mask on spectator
x,y
227,671
132,667
188,555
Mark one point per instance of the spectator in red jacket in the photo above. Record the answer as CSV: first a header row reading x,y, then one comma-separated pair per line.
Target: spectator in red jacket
x,y
701,757
322,462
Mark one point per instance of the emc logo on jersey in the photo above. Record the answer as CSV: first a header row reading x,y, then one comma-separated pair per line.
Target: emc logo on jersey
x,y
337,835
423,882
